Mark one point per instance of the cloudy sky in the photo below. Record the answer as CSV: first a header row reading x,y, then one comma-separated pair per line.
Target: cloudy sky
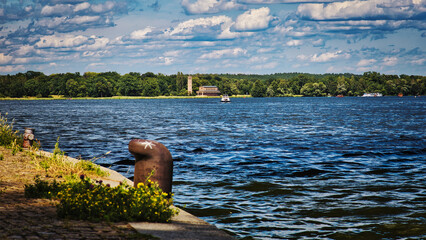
x,y
213,36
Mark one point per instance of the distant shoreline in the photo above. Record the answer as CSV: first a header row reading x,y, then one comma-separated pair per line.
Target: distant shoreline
x,y
60,97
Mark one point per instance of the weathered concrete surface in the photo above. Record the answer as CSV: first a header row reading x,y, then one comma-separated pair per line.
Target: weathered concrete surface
x,y
182,227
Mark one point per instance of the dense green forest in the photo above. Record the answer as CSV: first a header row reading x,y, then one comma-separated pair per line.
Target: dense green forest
x,y
107,84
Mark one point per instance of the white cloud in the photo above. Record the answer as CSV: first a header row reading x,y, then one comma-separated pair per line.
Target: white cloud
x,y
284,1
59,9
81,6
390,61
302,57
258,59
209,6
216,27
224,53
166,60
188,27
366,62
11,68
94,43
100,8
83,19
140,34
420,61
24,50
66,41
358,9
173,53
5,59
317,43
294,43
254,19
328,56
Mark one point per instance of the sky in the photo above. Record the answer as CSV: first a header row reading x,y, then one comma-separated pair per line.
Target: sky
x,y
213,36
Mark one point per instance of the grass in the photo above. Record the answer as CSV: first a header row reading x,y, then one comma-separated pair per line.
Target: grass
x,y
58,164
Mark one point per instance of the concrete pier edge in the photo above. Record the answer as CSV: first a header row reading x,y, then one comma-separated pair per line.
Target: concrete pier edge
x,y
184,226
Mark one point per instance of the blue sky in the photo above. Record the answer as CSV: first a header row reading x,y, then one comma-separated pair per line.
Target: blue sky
x,y
213,36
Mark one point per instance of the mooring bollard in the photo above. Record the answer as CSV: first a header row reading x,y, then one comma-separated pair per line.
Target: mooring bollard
x,y
28,137
152,157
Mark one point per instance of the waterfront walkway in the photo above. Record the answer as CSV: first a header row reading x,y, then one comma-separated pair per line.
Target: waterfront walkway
x,y
22,218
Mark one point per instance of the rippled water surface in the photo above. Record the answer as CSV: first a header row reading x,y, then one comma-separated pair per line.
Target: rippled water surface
x,y
273,168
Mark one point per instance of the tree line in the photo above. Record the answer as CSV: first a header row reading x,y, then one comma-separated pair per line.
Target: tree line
x,y
107,84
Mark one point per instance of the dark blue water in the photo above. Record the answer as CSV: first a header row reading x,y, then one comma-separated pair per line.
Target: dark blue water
x,y
273,168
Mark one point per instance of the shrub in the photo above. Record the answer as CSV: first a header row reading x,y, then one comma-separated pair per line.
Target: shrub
x,y
42,189
95,201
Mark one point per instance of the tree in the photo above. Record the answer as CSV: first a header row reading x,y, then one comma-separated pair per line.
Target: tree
x,y
258,89
314,89
129,85
72,88
341,85
180,81
151,87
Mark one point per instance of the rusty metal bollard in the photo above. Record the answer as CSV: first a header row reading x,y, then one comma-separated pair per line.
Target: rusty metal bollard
x,y
28,137
152,156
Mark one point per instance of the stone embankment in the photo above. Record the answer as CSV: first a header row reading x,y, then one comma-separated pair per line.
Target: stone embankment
x,y
22,218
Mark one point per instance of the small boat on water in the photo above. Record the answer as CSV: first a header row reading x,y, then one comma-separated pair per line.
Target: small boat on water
x,y
225,98
372,95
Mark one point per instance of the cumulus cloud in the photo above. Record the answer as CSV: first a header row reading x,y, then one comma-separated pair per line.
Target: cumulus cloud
x,y
61,42
294,43
11,68
81,6
57,10
76,43
209,6
140,34
420,61
201,29
47,26
235,52
366,62
166,60
390,61
364,10
5,59
324,57
253,19
105,7
285,1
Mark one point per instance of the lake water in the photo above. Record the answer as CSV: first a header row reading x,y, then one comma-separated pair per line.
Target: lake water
x,y
264,168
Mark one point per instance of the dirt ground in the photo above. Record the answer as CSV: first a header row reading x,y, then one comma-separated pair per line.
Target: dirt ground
x,y
22,218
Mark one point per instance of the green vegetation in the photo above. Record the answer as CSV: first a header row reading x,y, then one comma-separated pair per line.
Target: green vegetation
x,y
108,84
95,201
8,137
58,165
